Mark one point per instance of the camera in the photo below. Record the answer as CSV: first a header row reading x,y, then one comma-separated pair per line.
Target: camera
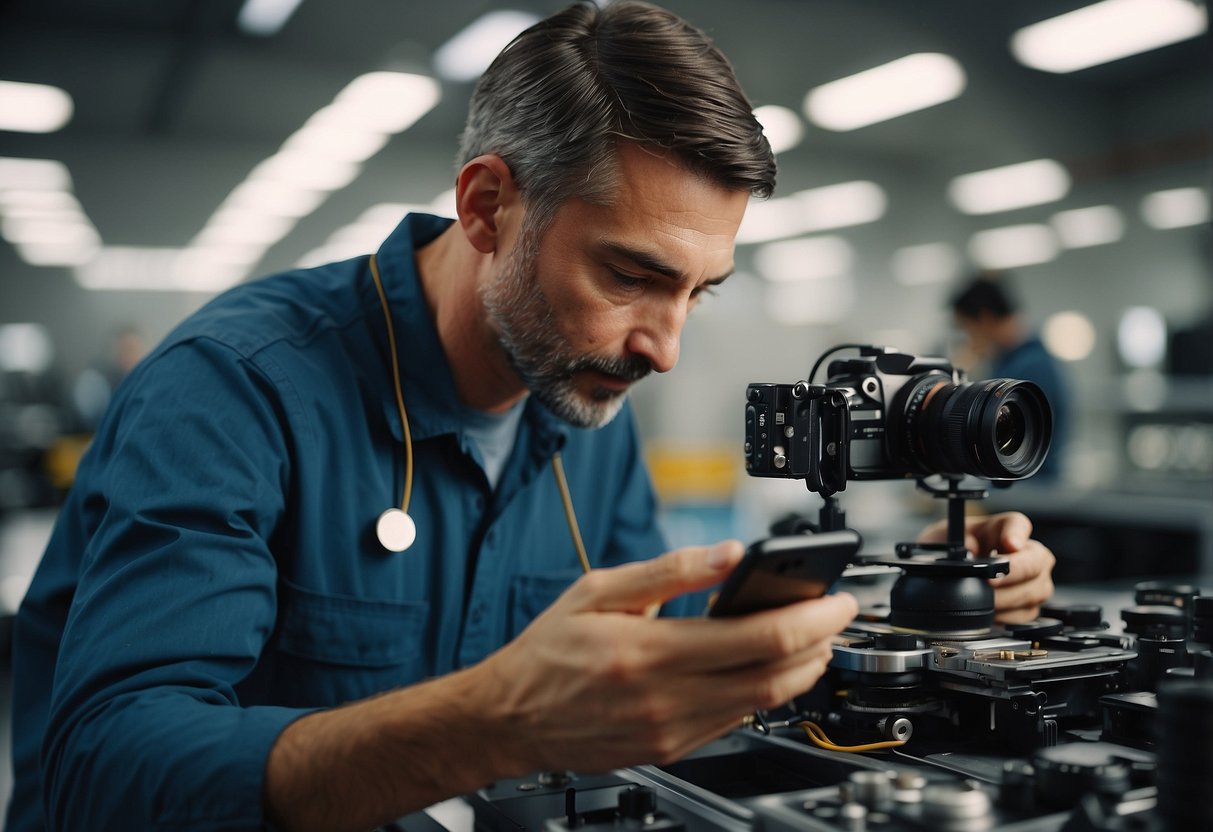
x,y
890,415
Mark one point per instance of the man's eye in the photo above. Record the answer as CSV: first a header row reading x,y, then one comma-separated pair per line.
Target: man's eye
x,y
700,291
627,281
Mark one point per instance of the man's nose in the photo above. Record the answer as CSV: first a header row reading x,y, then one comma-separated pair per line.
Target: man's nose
x,y
658,337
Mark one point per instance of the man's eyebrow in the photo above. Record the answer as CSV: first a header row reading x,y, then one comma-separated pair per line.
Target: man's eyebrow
x,y
653,263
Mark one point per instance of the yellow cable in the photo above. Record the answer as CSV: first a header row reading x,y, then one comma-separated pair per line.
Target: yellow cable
x,y
571,516
404,419
818,737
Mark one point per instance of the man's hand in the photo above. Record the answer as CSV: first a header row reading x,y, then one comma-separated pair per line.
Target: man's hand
x,y
1018,594
594,684
591,685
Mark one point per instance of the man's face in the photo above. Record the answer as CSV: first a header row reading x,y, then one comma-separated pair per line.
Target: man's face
x,y
977,334
600,300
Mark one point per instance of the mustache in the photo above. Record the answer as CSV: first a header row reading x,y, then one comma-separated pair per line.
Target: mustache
x,y
629,369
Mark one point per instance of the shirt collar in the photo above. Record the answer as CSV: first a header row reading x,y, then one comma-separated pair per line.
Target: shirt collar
x,y
429,391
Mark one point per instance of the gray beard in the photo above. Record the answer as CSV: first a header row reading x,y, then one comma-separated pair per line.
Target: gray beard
x,y
526,332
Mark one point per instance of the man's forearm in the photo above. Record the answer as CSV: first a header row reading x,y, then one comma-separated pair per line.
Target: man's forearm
x,y
364,764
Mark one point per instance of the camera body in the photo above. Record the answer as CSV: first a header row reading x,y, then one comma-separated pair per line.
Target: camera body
x,y
892,415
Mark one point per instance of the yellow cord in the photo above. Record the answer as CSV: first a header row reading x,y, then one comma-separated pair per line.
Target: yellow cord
x,y
557,466
404,419
569,515
818,737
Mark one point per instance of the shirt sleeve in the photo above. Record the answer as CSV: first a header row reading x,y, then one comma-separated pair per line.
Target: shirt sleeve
x,y
176,597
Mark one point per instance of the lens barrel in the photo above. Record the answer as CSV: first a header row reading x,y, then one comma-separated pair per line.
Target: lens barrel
x,y
999,429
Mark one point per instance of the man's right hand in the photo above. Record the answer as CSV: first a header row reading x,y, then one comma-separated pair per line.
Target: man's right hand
x,y
595,684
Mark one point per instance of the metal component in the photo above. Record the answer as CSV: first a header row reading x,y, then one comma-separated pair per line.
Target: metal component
x,y
789,431
898,728
555,778
800,389
780,460
957,806
873,789
853,817
908,786
868,660
1009,655
871,386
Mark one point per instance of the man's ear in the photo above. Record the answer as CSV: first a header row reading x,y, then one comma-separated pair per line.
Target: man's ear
x,y
485,195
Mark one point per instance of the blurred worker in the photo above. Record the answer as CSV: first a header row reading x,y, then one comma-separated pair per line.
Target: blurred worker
x,y
991,319
228,631
95,386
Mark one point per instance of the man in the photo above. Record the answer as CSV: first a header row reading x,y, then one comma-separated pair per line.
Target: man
x,y
990,317
216,639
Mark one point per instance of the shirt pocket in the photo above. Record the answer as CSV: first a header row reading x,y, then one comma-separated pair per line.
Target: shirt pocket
x,y
532,594
336,648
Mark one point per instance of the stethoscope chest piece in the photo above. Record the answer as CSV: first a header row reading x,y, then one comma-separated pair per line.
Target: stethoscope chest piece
x,y
396,530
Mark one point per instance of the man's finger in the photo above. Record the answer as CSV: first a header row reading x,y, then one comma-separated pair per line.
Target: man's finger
x,y
635,586
707,645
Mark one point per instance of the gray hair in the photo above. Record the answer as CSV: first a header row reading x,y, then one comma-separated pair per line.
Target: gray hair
x,y
557,101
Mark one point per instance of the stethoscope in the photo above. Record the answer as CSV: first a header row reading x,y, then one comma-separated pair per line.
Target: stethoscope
x,y
395,528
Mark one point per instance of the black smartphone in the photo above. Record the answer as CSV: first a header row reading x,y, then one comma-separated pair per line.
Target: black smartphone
x,y
782,570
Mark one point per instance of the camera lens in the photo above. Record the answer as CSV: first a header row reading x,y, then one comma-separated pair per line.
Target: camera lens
x,y
999,429
1010,427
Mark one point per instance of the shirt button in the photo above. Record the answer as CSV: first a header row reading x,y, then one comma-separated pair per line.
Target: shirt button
x,y
477,613
490,538
479,503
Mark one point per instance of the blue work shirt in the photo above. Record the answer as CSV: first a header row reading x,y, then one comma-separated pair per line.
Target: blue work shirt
x,y
215,573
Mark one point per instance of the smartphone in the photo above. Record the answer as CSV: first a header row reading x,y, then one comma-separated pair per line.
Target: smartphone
x,y
782,570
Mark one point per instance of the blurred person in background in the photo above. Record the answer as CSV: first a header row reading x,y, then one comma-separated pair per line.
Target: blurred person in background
x,y
95,386
991,317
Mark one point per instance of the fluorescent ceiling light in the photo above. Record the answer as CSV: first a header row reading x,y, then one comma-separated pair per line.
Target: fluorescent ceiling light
x,y
147,268
818,302
813,258
127,267
387,102
1107,31
1069,335
1141,337
466,55
1083,227
925,264
39,204
914,82
841,205
33,108
276,198
203,269
1175,208
1010,187
781,126
235,227
34,175
326,134
63,253
72,232
307,171
1012,246
25,348
265,18
816,209
770,219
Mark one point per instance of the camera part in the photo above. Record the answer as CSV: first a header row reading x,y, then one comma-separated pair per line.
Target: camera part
x,y
891,415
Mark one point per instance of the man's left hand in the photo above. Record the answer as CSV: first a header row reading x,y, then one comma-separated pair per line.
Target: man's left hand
x,y
1018,594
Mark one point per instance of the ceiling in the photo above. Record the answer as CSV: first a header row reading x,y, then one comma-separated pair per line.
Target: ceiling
x,y
173,106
